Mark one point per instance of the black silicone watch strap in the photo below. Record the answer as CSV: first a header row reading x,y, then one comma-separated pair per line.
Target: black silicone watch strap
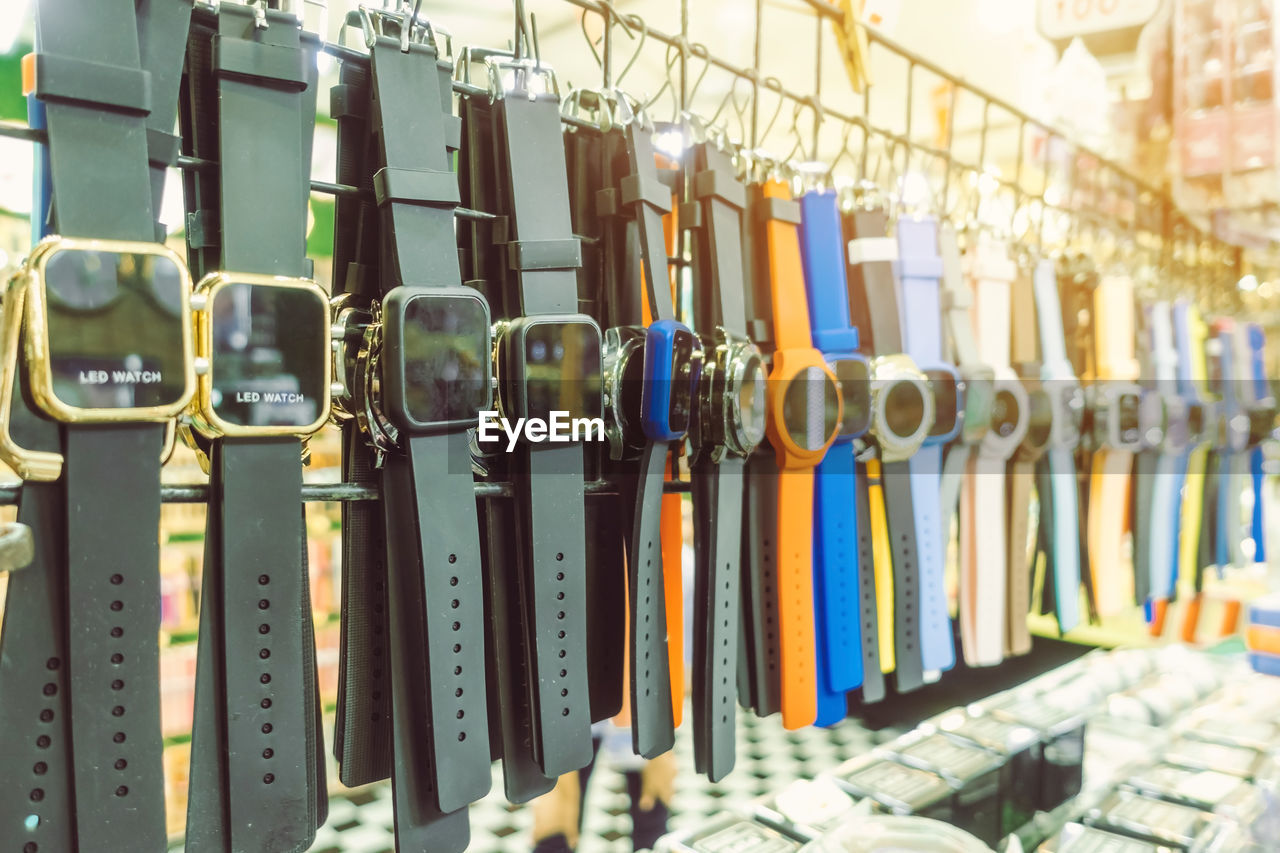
x,y
162,43
873,688
113,596
419,822
760,575
652,726
724,199
873,287
650,198
717,601
35,747
895,479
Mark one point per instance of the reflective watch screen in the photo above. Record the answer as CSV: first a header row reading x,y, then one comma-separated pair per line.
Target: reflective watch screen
x,y
809,408
904,409
945,401
854,377
1005,414
444,344
1128,407
682,347
268,354
115,329
562,370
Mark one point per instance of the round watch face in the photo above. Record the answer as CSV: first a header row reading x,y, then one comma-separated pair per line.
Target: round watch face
x,y
1040,422
1128,410
810,404
750,401
854,377
1005,414
946,395
904,408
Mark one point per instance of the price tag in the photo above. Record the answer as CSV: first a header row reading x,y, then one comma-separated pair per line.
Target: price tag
x,y
1063,20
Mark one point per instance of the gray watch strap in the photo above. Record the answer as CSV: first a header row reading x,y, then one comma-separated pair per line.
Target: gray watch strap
x,y
760,580
717,602
35,747
873,688
895,480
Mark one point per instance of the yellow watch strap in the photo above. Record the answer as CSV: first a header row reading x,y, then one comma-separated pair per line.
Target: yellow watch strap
x,y
1193,490
882,555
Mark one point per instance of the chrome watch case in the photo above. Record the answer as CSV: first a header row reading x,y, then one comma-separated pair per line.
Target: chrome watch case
x,y
356,344
623,367
1116,409
1007,430
979,396
1040,416
730,397
890,373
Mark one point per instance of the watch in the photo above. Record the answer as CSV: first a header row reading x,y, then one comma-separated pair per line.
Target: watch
x,y
902,416
983,541
1189,333
1262,423
261,330
547,357
1147,817
842,659
920,270
1022,466
802,418
1156,518
86,613
1233,438
728,424
1115,402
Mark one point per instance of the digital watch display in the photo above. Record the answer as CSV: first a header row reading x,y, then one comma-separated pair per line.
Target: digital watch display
x,y
551,363
436,358
265,342
101,339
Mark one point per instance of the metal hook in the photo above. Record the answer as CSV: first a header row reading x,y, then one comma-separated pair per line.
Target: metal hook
x,y
776,85
700,51
667,83
638,23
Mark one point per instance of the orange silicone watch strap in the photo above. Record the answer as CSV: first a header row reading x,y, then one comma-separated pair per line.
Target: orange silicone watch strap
x,y
795,597
790,307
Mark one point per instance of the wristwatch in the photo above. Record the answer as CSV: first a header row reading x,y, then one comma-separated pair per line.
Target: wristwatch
x,y
1153,819
920,270
81,660
1262,409
1077,281
807,808
902,416
983,543
978,378
1078,838
669,356
728,424
730,832
261,329
1022,466
896,788
1206,790
803,415
546,358
844,655
1115,402
975,775
1156,511
1190,334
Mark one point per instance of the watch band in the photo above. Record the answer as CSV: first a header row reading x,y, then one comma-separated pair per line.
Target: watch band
x,y
1229,485
1161,542
362,736
432,534
652,722
1261,393
97,95
873,687
1063,488
760,598
838,649
1113,340
1077,281
1188,472
1023,353
874,305
882,560
985,584
718,487
920,273
255,739
548,478
508,633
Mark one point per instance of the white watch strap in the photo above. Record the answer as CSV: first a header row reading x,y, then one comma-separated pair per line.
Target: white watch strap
x,y
993,273
1053,343
957,298
987,541
1164,355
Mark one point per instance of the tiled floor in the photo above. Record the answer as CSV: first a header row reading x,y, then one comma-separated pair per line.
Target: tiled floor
x,y
768,757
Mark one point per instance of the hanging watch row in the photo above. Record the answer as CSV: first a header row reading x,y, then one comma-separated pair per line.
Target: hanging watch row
x,y
840,378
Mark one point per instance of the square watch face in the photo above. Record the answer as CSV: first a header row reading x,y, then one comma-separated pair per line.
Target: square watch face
x,y
562,369
268,351
444,348
117,328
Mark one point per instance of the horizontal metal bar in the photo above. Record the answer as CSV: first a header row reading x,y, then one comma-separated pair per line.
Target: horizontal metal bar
x,y
344,492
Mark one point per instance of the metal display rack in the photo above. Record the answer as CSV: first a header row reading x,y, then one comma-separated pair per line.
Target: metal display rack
x,y
1104,195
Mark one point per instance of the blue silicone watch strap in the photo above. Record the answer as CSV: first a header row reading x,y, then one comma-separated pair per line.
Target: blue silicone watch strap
x,y
1261,391
1230,402
920,269
835,554
822,254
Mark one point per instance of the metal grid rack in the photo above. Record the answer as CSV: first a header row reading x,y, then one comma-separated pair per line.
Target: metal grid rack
x,y
1103,194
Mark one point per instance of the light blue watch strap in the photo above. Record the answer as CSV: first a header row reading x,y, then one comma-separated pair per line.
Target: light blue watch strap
x,y
835,552
1163,541
1261,391
1228,504
920,274
1056,367
1187,388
